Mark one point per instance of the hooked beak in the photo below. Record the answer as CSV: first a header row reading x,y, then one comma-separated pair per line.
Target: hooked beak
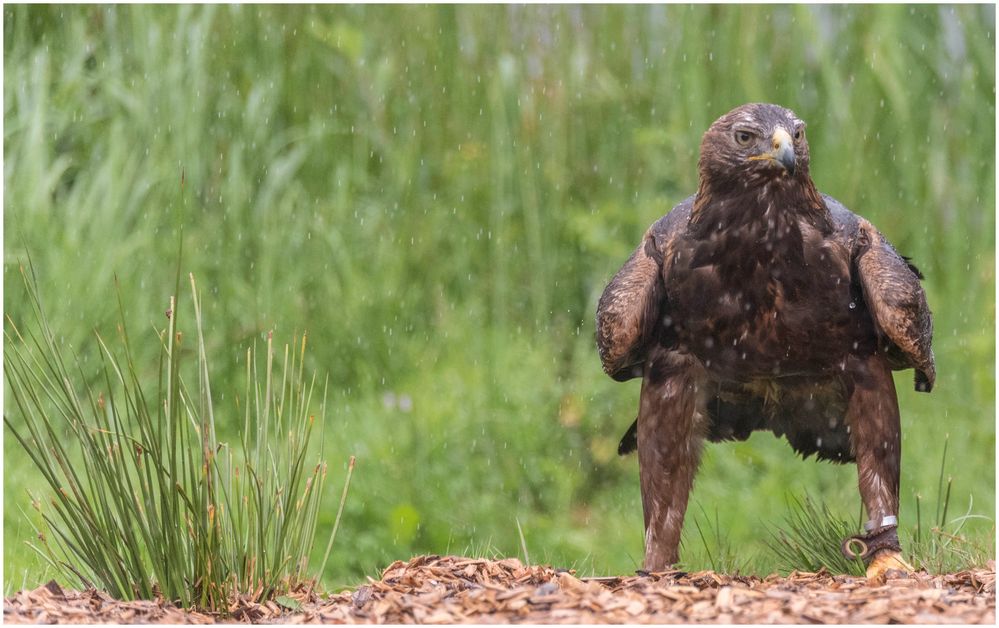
x,y
783,152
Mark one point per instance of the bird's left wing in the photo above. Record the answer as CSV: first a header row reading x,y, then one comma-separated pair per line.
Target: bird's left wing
x,y
897,303
630,310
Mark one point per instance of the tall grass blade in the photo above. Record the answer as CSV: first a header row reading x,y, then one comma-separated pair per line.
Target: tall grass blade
x,y
339,513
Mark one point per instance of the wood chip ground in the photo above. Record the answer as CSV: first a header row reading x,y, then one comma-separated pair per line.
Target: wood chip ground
x,y
450,589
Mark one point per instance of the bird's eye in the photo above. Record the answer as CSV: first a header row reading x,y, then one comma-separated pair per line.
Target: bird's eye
x,y
743,137
798,134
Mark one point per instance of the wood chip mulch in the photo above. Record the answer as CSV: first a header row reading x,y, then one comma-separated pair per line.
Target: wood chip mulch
x,y
450,589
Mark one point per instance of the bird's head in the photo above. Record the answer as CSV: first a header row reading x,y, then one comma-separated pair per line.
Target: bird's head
x,y
753,145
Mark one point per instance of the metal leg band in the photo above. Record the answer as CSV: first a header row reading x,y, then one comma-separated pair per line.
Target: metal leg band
x,y
887,521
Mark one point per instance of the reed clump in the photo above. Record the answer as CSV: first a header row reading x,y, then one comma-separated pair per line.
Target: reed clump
x,y
143,499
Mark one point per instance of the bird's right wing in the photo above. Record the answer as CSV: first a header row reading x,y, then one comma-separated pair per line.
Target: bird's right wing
x,y
630,310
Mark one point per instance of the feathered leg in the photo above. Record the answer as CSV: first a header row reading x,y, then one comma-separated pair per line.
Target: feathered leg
x,y
670,433
876,439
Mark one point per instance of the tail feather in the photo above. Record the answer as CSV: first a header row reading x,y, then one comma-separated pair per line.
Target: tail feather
x,y
629,442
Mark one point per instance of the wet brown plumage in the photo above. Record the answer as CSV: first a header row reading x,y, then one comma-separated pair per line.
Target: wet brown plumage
x,y
761,304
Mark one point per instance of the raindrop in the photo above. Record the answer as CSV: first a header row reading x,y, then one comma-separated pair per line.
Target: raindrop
x,y
405,403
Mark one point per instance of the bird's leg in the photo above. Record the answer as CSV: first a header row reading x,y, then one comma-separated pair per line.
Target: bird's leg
x,y
876,439
670,433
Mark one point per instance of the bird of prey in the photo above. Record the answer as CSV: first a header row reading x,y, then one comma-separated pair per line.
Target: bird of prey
x,y
760,303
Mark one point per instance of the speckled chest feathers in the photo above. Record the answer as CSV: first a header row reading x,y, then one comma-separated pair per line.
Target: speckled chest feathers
x,y
760,285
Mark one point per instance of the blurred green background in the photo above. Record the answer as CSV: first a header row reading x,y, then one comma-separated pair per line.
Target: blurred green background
x,y
439,194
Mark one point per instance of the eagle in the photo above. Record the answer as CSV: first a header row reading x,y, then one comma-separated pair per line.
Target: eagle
x,y
760,303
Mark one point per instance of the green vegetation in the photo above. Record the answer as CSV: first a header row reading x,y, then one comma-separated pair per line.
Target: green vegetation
x,y
143,497
810,540
938,544
437,196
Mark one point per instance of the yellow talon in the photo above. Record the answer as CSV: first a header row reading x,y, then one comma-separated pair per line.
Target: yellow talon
x,y
886,560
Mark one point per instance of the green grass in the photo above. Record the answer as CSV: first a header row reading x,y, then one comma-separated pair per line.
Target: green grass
x,y
142,498
437,195
810,537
